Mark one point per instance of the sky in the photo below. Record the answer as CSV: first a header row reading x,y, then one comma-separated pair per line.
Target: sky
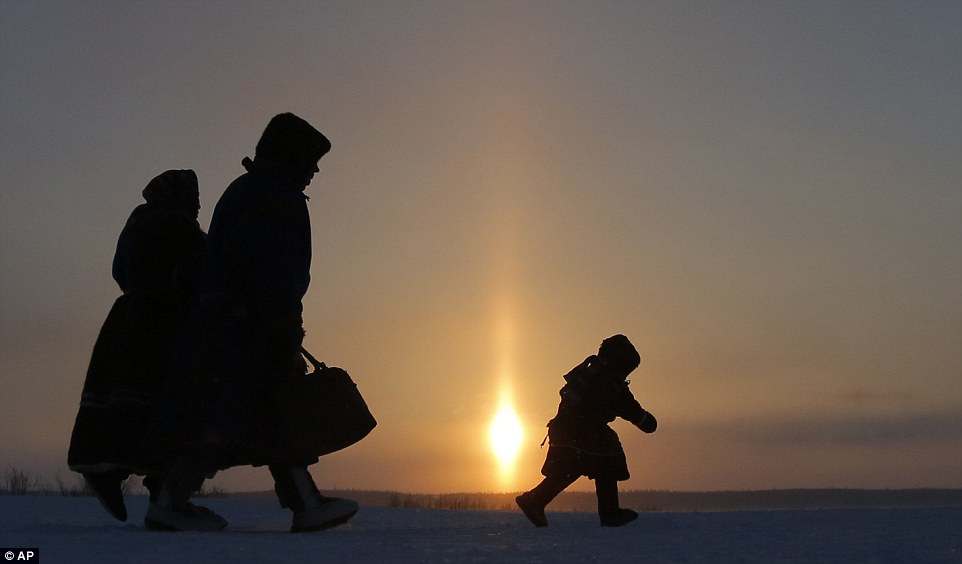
x,y
763,196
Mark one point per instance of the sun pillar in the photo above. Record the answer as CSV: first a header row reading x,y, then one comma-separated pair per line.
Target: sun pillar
x,y
505,433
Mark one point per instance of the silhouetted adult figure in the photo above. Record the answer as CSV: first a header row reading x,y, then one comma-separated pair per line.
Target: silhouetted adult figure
x,y
156,265
246,336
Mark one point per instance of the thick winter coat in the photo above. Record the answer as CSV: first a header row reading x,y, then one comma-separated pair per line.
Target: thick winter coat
x,y
156,265
581,442
246,332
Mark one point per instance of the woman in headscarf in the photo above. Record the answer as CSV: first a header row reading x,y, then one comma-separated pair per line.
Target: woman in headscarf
x,y
156,265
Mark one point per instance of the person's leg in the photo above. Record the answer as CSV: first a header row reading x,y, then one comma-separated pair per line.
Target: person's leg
x,y
154,482
172,510
607,493
296,491
609,512
532,503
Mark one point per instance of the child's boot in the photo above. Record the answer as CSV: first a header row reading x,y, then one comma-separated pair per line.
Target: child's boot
x,y
532,503
609,512
532,508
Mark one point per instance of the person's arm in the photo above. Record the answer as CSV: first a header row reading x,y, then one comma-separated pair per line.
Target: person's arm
x,y
638,416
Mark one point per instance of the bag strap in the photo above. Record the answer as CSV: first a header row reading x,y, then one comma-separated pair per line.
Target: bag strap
x,y
318,365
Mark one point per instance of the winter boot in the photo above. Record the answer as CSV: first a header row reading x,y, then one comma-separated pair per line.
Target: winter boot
x,y
109,491
173,510
296,491
183,516
619,517
609,512
532,508
532,503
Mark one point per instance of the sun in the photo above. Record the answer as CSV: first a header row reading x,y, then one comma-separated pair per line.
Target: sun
x,y
505,435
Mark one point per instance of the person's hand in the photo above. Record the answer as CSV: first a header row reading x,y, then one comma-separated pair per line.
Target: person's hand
x,y
648,423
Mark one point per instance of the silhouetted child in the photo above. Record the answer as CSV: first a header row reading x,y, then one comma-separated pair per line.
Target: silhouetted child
x,y
582,443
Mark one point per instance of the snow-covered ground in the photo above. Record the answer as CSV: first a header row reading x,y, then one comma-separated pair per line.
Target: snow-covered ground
x,y
70,529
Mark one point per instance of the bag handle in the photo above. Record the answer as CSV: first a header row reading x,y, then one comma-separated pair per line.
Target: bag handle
x,y
318,365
